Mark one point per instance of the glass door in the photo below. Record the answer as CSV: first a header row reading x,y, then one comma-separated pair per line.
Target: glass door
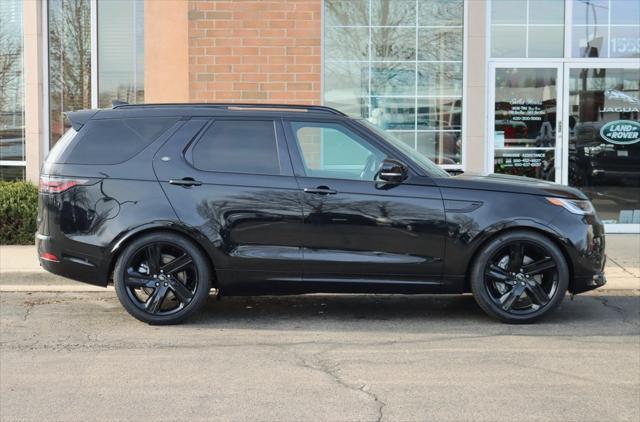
x,y
602,106
526,131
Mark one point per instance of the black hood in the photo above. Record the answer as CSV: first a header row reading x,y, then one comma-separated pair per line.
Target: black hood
x,y
509,183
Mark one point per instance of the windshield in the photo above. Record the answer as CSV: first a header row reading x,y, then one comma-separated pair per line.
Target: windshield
x,y
429,167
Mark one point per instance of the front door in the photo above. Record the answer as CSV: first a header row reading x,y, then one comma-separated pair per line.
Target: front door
x,y
526,110
357,229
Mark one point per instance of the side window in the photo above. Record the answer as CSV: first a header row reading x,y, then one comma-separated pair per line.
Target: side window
x,y
113,141
238,146
333,151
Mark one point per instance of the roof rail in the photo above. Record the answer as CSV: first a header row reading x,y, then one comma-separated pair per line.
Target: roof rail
x,y
239,106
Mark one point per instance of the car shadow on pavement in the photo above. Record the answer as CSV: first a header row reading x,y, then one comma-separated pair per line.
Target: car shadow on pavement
x,y
414,313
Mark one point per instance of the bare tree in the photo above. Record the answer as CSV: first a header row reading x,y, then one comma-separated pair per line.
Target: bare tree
x,y
10,69
69,58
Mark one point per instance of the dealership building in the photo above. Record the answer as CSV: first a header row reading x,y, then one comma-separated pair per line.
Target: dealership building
x,y
547,89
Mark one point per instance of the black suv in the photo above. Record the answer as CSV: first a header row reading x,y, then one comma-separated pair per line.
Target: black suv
x,y
173,201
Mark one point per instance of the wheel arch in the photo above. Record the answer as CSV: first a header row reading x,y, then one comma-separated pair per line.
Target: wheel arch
x,y
124,240
530,227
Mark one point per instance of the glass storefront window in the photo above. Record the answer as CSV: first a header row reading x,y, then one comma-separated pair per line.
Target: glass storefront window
x,y
440,44
440,12
394,113
344,85
69,37
440,144
398,63
606,29
442,78
12,172
508,12
393,44
525,121
347,13
391,79
598,131
527,28
546,41
120,51
393,13
439,114
604,140
12,133
347,44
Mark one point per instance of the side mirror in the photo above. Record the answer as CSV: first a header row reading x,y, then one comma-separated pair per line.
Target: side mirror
x,y
392,171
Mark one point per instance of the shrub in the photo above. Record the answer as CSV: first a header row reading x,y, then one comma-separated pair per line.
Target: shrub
x,y
18,211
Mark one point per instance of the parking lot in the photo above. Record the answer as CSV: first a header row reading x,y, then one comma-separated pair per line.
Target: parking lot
x,y
79,356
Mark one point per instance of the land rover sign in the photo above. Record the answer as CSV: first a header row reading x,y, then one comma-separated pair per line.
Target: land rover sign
x,y
621,132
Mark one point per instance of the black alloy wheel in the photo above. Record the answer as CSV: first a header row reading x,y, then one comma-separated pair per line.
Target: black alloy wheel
x,y
162,278
519,277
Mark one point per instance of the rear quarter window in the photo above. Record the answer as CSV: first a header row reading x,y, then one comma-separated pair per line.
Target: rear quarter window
x,y
56,153
113,141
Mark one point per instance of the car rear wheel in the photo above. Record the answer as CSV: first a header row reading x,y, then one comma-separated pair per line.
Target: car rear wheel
x,y
162,278
519,276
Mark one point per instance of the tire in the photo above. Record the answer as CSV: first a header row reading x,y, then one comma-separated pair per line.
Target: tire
x,y
162,278
525,294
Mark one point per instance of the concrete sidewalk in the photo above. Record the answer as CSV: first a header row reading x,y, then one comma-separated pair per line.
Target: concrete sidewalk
x,y
20,271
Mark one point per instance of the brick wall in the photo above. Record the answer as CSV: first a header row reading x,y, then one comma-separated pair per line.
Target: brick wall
x,y
255,51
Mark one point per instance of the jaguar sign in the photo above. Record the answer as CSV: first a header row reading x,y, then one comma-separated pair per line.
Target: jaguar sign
x,y
621,132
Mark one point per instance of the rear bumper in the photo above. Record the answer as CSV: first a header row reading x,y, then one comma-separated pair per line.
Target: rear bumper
x,y
67,265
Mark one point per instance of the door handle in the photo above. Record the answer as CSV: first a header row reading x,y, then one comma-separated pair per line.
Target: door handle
x,y
185,181
321,190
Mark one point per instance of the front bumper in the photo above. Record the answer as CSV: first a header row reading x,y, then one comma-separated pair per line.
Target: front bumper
x,y
584,284
584,242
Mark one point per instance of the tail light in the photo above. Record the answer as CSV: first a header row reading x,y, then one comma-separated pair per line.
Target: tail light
x,y
53,184
48,256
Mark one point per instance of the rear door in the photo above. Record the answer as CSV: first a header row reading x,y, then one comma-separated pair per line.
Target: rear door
x,y
232,181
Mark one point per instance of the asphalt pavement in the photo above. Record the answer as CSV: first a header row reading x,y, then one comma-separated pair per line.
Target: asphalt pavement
x,y
78,356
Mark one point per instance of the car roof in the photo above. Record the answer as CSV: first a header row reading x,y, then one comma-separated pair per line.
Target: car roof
x,y
235,108
123,110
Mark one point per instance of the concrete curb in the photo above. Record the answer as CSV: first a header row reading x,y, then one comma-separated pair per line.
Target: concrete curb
x,y
15,288
39,277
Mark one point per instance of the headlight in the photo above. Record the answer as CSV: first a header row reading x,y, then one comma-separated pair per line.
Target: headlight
x,y
574,206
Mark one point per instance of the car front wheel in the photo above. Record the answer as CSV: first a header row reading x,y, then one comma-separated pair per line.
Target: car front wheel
x,y
519,276
162,278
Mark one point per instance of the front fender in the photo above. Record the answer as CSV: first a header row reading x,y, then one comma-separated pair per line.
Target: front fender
x,y
516,223
461,250
468,228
